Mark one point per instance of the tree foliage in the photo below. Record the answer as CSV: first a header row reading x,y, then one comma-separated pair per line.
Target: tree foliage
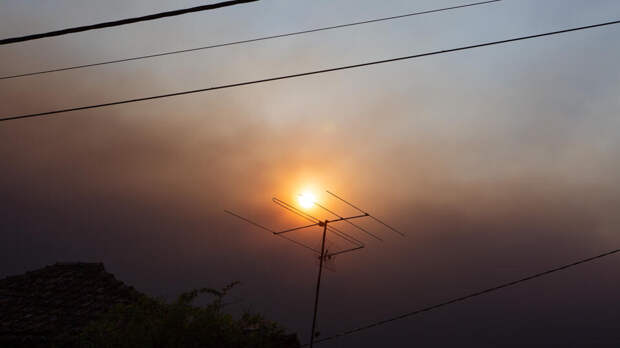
x,y
154,323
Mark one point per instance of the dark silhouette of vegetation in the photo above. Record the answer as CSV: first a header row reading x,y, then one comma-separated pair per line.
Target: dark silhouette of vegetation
x,y
154,323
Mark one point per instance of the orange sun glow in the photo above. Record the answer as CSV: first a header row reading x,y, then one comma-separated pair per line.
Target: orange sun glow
x,y
306,200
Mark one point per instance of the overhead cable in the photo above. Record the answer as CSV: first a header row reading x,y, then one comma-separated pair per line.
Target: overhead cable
x,y
314,72
466,297
122,22
243,41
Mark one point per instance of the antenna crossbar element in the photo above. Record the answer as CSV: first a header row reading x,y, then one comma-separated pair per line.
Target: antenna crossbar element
x,y
347,218
297,228
344,251
291,208
361,211
349,222
250,222
268,229
344,235
311,218
273,232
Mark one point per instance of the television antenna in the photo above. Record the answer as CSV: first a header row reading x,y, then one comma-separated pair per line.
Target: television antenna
x,y
325,256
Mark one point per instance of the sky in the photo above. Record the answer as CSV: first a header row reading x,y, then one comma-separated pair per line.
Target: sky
x,y
496,162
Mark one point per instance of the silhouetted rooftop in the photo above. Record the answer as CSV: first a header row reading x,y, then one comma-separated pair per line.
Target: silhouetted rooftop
x,y
53,303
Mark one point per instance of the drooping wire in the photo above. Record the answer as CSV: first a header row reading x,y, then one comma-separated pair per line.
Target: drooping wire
x,y
309,73
466,297
122,21
154,55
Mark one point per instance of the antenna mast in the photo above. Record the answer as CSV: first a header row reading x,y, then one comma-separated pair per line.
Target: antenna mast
x,y
322,254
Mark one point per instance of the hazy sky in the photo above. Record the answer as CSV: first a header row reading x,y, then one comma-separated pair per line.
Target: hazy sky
x,y
497,162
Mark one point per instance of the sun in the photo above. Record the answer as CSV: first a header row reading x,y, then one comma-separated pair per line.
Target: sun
x,y
306,200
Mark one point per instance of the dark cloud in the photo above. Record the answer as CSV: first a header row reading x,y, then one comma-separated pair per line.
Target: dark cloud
x,y
495,170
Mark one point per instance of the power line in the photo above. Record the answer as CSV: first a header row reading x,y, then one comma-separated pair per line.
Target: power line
x,y
246,41
466,297
122,21
315,72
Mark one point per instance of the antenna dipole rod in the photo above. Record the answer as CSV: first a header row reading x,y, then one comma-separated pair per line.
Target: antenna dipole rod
x,y
272,231
372,217
250,222
311,218
349,222
349,218
344,235
287,206
296,229
345,251
298,243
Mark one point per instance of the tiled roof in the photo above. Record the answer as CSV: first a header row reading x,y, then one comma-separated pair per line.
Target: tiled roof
x,y
53,303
